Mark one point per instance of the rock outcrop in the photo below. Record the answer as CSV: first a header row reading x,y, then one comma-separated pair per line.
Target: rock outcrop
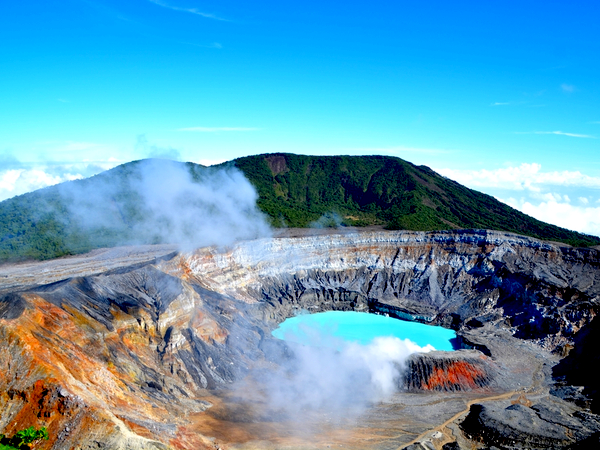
x,y
538,426
449,371
139,350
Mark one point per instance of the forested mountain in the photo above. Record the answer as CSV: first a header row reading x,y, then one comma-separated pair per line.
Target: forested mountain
x,y
119,206
296,190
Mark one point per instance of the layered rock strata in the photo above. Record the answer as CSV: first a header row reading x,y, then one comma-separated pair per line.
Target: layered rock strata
x,y
130,351
542,291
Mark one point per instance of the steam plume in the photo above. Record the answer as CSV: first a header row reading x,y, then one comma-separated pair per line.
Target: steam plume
x,y
161,201
335,376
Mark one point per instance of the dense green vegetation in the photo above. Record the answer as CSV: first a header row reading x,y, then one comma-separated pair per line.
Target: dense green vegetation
x,y
294,190
297,190
23,439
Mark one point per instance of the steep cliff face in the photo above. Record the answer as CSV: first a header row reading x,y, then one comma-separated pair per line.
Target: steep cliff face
x,y
130,351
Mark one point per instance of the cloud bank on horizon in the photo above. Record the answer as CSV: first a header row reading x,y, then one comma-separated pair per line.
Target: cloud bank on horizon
x,y
17,178
565,198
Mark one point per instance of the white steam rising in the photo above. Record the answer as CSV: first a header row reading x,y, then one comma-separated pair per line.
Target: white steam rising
x,y
161,202
338,376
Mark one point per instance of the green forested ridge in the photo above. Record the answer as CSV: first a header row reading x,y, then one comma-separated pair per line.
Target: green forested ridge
x,y
294,190
380,190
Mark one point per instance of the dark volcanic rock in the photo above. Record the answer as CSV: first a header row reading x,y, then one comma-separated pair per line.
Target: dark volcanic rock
x,y
580,368
449,371
12,306
549,424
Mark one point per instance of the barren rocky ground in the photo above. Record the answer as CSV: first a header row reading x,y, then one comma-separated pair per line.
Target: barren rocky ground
x,y
147,347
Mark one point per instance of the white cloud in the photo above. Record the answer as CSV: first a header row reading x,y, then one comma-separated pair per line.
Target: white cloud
x,y
568,88
23,179
524,177
538,193
9,178
19,181
188,10
217,129
550,197
560,133
584,219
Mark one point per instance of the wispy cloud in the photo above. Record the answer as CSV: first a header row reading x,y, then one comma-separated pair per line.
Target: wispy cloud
x,y
527,176
568,88
217,129
188,10
540,194
216,45
585,219
62,100
560,133
19,178
521,103
513,103
148,150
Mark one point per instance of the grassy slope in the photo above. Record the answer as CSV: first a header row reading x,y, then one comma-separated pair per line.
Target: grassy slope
x,y
294,190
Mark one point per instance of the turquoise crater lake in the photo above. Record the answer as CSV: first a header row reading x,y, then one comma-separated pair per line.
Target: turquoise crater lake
x,y
351,326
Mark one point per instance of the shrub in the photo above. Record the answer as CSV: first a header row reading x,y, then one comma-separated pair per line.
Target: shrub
x,y
23,439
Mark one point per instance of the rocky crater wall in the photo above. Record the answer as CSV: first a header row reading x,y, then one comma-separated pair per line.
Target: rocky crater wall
x,y
541,291
125,353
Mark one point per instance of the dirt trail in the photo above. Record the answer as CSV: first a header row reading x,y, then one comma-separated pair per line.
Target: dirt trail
x,y
535,389
441,428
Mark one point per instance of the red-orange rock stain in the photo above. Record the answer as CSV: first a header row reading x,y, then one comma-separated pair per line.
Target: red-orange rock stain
x,y
187,439
457,373
208,329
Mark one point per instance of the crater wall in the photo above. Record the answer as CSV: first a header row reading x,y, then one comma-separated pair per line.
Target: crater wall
x,y
542,291
134,351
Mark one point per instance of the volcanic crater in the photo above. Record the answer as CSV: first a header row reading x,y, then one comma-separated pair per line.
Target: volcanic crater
x,y
152,348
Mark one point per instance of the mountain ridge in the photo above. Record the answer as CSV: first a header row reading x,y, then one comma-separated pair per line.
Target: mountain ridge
x,y
293,191
383,190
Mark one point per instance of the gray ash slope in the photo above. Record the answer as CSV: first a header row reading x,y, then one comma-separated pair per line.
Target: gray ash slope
x,y
164,328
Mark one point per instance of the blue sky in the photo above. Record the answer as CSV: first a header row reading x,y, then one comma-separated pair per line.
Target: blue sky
x,y
502,97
